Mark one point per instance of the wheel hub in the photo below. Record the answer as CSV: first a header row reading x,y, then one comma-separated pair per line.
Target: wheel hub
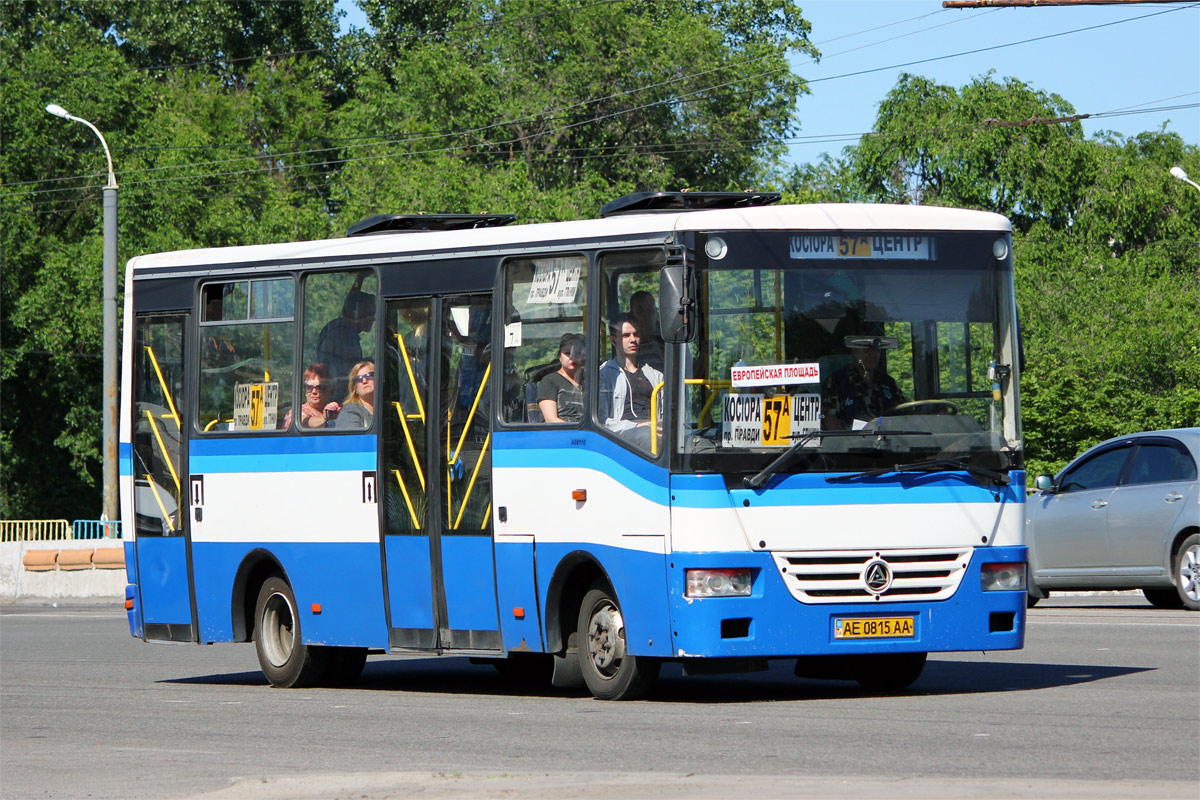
x,y
278,630
1189,572
606,638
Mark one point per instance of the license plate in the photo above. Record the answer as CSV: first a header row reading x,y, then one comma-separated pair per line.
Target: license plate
x,y
873,627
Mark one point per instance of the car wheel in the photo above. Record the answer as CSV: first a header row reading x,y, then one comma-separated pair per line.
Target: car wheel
x,y
285,659
609,670
1186,572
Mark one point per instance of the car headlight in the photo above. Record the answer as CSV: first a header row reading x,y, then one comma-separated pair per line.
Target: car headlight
x,y
718,582
1008,577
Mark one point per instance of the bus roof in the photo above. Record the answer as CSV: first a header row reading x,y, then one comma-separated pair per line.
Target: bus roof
x,y
812,217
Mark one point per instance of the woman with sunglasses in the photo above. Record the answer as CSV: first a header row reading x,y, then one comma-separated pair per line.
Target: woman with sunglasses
x,y
318,410
358,411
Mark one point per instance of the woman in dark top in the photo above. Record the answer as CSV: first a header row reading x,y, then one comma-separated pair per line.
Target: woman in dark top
x,y
560,394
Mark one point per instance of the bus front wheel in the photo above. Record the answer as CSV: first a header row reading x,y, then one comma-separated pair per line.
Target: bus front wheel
x,y
285,659
609,670
888,672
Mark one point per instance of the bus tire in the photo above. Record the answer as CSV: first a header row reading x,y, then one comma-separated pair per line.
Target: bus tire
x,y
609,670
285,660
345,665
888,672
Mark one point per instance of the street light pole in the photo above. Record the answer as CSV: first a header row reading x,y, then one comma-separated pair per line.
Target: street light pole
x,y
1178,172
110,509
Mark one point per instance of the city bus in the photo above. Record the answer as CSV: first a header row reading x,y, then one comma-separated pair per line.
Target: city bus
x,y
704,428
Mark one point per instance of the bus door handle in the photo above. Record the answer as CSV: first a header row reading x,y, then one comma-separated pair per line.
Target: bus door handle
x,y
199,514
1099,504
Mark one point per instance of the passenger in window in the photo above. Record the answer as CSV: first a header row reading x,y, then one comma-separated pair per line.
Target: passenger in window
x,y
560,394
338,344
319,409
358,411
627,385
862,390
645,313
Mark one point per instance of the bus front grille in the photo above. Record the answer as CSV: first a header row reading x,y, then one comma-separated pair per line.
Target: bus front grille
x,y
841,576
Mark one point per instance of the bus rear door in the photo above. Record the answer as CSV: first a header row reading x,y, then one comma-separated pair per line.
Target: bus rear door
x,y
160,499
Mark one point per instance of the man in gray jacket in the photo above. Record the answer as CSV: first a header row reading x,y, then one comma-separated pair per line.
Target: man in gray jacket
x,y
627,386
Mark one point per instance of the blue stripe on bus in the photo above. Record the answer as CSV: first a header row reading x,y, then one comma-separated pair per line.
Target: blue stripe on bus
x,y
579,450
124,458
282,454
708,491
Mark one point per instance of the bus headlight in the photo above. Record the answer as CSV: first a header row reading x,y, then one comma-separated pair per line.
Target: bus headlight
x,y
1008,577
718,582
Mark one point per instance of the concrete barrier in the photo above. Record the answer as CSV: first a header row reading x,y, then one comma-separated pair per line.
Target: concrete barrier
x,y
36,569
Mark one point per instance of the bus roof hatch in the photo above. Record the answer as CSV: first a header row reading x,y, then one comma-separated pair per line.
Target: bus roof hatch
x,y
414,223
658,202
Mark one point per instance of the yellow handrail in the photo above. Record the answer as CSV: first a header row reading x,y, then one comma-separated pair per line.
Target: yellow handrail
x,y
158,498
471,415
412,512
412,448
471,484
163,447
654,418
163,383
710,385
412,378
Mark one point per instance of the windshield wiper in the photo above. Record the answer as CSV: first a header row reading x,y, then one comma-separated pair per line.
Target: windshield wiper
x,y
930,465
804,438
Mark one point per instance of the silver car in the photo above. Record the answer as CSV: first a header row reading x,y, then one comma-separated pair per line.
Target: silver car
x,y
1124,515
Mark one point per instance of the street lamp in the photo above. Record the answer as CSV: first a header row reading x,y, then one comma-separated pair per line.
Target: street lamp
x,y
1181,175
108,404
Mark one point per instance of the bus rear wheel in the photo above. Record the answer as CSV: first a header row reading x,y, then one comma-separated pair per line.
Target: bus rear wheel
x,y
609,670
285,660
888,672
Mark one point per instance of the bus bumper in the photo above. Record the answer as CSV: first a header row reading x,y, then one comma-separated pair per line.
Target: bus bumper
x,y
772,623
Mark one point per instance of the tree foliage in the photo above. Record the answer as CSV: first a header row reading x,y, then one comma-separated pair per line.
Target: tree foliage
x,y
250,121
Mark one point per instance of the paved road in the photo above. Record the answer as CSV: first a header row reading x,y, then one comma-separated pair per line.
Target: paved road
x,y
1107,690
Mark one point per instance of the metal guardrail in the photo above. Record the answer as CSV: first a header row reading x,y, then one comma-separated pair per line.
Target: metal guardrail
x,y
95,529
45,530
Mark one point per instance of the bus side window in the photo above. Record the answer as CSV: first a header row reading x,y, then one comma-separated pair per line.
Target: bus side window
x,y
545,300
247,334
629,373
339,332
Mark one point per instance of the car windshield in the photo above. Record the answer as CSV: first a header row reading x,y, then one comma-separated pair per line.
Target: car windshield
x,y
906,339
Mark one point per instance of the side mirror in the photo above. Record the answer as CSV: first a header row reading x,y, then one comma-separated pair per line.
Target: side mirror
x,y
1044,483
676,308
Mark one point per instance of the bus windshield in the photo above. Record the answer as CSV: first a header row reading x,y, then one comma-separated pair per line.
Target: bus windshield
x,y
898,334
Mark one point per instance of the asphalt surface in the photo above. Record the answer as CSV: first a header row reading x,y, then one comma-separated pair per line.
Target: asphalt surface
x,y
1104,701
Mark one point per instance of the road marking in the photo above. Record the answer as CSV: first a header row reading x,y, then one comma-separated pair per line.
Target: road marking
x,y
1117,624
57,615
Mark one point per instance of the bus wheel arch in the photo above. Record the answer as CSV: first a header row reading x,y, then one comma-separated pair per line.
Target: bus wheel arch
x,y
573,577
255,569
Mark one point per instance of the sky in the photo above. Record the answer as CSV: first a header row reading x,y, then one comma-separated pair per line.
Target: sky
x,y
1112,58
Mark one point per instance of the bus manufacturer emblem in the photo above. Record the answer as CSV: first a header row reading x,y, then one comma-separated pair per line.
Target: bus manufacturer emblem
x,y
878,577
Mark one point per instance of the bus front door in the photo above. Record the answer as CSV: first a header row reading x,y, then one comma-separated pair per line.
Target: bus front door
x,y
160,501
440,569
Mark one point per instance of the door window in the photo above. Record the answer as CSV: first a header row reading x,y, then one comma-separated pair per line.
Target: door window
x,y
1098,472
404,408
157,445
465,433
1158,463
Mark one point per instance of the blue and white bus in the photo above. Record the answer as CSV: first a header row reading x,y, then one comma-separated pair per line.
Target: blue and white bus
x,y
704,428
